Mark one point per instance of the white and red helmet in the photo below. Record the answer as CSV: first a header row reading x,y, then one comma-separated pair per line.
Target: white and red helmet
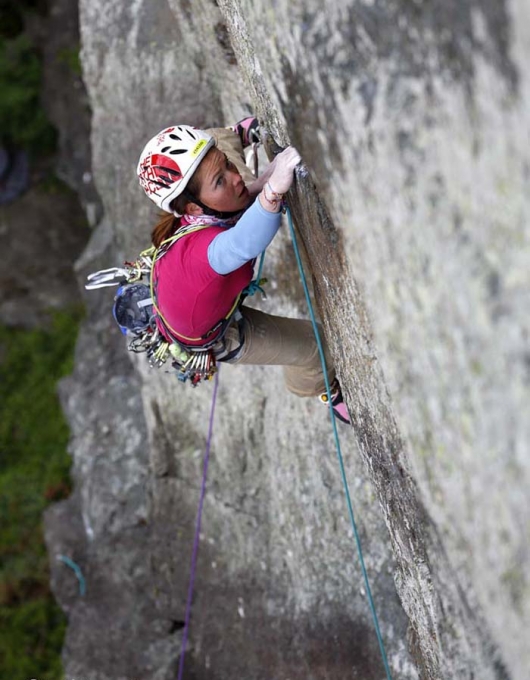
x,y
169,160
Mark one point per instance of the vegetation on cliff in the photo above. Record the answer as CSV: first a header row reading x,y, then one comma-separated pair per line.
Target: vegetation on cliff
x,y
34,471
34,464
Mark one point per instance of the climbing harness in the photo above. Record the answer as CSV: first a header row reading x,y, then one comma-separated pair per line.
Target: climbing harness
x,y
136,312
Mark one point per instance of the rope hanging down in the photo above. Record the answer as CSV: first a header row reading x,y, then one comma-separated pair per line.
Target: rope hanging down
x,y
198,528
337,444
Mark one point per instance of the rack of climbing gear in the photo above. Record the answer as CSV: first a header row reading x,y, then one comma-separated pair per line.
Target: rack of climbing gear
x,y
136,312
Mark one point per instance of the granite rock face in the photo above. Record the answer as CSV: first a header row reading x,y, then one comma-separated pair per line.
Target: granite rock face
x,y
413,122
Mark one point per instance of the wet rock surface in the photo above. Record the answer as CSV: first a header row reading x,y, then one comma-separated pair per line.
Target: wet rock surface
x,y
413,123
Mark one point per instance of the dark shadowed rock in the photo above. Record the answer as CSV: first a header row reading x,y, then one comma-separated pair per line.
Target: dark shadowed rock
x,y
41,235
65,99
14,174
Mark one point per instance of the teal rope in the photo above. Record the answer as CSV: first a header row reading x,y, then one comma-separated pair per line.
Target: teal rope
x,y
255,285
77,571
260,268
337,444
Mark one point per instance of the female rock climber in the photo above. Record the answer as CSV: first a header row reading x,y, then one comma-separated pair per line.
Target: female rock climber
x,y
199,177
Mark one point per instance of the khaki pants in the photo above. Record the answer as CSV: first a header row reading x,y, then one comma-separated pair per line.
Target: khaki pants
x,y
274,340
278,341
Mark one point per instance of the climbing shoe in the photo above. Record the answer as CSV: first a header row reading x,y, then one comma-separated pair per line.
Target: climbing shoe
x,y
248,131
337,401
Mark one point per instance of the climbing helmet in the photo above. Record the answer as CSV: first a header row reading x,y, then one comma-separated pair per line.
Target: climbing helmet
x,y
169,160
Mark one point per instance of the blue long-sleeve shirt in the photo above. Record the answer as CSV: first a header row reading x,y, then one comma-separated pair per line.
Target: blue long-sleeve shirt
x,y
245,240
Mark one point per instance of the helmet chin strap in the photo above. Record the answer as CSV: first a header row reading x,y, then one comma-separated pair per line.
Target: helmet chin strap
x,y
210,211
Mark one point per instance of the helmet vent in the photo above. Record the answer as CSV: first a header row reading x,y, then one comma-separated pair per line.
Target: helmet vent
x,y
169,160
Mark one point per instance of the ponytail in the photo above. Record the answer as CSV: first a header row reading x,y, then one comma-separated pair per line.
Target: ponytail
x,y
164,228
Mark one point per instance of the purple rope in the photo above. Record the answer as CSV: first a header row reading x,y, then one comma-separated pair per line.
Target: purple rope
x,y
198,529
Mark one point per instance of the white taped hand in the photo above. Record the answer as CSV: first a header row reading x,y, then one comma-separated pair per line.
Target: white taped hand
x,y
281,177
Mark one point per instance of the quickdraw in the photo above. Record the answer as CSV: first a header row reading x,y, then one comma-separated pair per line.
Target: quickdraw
x,y
136,312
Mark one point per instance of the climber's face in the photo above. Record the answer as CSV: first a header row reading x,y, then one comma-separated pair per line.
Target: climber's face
x,y
221,186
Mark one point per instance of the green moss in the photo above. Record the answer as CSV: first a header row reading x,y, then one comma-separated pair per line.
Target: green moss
x,y
476,367
34,471
70,57
514,581
54,186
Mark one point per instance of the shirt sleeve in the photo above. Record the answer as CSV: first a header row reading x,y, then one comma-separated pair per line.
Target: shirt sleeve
x,y
237,245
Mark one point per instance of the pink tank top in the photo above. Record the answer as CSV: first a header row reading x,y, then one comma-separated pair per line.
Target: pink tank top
x,y
192,297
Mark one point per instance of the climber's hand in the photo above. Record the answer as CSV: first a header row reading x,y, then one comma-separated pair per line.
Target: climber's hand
x,y
281,177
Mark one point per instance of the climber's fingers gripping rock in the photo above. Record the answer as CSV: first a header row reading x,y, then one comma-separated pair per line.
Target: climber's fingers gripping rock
x,y
282,174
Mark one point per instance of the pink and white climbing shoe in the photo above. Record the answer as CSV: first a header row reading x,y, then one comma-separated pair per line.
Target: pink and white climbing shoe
x,y
248,131
339,407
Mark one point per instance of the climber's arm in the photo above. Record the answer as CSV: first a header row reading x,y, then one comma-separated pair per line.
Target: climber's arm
x,y
246,240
